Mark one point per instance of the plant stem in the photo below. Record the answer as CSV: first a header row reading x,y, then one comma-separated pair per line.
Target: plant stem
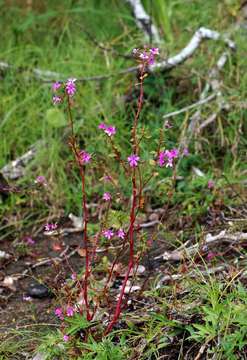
x,y
84,206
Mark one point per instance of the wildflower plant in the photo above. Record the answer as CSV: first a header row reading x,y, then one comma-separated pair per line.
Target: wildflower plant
x,y
128,232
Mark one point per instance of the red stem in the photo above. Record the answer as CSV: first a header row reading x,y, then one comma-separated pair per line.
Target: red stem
x,y
85,211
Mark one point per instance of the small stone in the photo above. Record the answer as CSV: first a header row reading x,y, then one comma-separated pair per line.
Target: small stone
x,y
39,356
38,291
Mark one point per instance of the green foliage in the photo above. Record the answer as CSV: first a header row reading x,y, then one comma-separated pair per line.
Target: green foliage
x,y
224,320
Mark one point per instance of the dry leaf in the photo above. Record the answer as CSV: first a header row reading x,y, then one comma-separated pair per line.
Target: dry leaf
x,y
81,252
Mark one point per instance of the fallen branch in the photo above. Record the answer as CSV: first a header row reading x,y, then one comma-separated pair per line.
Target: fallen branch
x,y
16,168
144,22
210,241
46,261
168,64
213,84
191,274
192,106
200,35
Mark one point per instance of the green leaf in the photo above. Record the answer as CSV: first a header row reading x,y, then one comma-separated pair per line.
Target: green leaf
x,y
55,118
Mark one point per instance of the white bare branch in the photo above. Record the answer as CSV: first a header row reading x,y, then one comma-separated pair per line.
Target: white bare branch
x,y
200,35
16,168
210,241
144,22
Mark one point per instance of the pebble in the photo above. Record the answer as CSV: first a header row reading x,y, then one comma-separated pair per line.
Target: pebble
x,y
38,291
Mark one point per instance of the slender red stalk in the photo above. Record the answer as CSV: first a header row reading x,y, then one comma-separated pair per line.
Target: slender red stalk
x,y
134,207
85,211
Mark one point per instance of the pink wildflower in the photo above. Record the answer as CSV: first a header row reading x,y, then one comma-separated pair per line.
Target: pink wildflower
x,y
185,152
50,227
41,180
29,240
167,124
84,157
26,298
210,184
211,255
167,157
74,276
70,87
56,86
66,338
110,130
59,313
107,196
102,126
108,234
121,233
107,178
133,160
70,311
144,55
56,100
155,51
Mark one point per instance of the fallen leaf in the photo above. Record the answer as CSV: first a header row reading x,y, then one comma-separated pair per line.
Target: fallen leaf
x,y
81,252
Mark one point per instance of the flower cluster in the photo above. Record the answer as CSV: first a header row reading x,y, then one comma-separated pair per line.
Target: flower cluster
x,y
29,241
109,130
41,180
107,196
147,56
133,160
84,157
167,157
69,89
108,234
70,311
50,227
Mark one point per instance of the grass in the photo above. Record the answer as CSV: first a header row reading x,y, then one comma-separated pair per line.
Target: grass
x,y
53,36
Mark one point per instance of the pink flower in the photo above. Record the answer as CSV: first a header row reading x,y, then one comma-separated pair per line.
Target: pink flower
x,y
107,178
155,51
121,233
69,311
108,234
29,240
66,338
41,180
210,184
144,55
74,276
50,227
26,298
70,87
167,157
56,100
110,130
133,160
84,157
102,126
167,124
185,152
107,196
59,313
56,86
211,255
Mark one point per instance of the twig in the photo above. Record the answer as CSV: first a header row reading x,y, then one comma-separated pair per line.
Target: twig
x,y
16,168
192,106
58,259
168,64
210,240
144,21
